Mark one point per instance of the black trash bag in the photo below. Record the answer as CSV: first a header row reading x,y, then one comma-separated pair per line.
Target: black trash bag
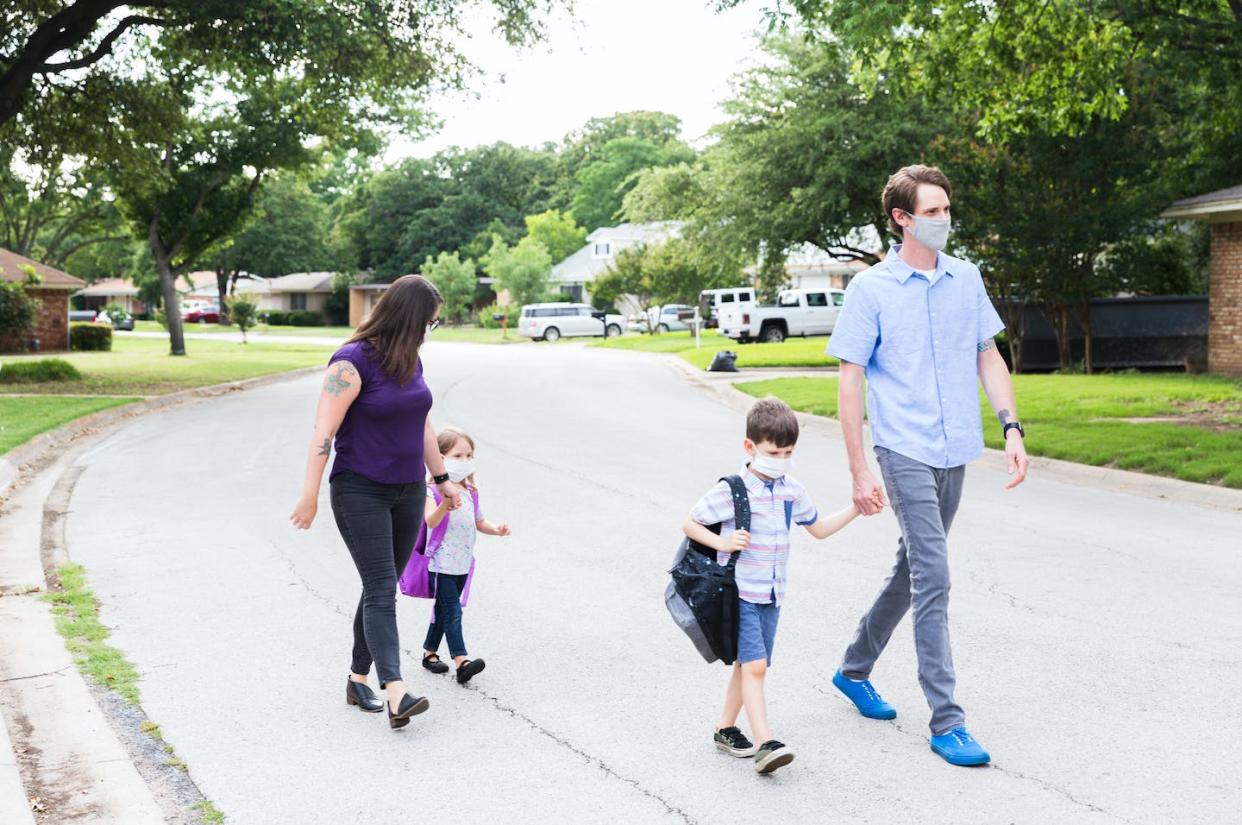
x,y
702,597
725,361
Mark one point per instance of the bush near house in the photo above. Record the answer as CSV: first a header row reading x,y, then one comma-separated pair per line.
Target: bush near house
x,y
485,316
275,317
90,337
34,372
305,318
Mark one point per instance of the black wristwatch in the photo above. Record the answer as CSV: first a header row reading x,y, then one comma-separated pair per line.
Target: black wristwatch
x,y
1012,425
440,479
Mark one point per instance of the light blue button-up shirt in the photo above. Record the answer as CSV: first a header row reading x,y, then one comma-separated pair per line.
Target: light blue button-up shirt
x,y
918,340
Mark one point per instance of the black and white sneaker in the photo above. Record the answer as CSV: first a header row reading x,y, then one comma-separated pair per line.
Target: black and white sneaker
x,y
733,742
772,755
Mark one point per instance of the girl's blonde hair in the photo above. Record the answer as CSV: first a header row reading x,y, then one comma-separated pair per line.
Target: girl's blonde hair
x,y
447,438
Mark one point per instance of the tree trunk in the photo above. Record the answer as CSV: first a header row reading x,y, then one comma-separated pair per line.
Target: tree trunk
x,y
1082,314
168,290
1058,317
222,292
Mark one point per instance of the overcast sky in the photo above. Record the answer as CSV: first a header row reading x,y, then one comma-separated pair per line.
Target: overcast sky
x,y
613,56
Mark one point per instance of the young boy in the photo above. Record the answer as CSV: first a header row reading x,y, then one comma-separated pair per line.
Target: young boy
x,y
776,502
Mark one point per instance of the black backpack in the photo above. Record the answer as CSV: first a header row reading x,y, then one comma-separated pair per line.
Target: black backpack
x,y
702,597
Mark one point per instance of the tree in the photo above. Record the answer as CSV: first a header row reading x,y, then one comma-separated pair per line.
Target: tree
x,y
559,233
243,312
584,146
455,279
523,269
603,183
628,276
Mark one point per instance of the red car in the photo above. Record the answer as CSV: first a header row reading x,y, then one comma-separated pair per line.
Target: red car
x,y
202,315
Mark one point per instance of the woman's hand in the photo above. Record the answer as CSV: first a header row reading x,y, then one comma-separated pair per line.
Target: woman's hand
x,y
304,513
450,494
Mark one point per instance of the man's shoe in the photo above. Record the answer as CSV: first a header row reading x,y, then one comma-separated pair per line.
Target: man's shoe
x,y
772,755
958,747
733,742
864,697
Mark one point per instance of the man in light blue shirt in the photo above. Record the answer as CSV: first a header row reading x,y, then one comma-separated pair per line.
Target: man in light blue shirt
x,y
918,328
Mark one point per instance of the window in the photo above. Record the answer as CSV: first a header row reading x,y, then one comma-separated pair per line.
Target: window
x,y
566,312
727,298
544,312
603,250
297,300
838,299
746,296
816,299
789,299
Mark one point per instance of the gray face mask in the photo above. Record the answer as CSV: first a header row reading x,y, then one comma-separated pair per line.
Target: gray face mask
x,y
933,233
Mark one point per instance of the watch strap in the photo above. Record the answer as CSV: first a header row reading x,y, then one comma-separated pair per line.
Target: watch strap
x,y
440,479
1013,425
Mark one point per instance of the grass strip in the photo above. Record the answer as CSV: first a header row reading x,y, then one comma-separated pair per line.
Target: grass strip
x,y
793,352
23,418
1181,426
76,612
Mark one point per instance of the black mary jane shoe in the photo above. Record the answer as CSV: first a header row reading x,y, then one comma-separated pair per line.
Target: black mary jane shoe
x,y
469,669
362,697
433,663
410,706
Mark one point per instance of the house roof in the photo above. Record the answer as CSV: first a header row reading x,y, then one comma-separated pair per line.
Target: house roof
x,y
584,265
1219,206
109,287
303,282
11,265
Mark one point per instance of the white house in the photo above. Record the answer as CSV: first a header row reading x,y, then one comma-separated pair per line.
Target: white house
x,y
574,275
810,267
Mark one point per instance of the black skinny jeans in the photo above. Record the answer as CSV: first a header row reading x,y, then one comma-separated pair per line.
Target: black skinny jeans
x,y
379,523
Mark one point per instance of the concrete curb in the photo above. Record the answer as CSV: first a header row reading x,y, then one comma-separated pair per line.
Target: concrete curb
x,y
19,464
1069,472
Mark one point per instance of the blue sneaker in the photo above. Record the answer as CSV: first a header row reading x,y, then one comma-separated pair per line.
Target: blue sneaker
x,y
864,697
958,747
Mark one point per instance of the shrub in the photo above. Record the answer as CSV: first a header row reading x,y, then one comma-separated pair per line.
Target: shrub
x,y
486,313
116,313
90,337
17,313
36,372
306,318
243,312
277,318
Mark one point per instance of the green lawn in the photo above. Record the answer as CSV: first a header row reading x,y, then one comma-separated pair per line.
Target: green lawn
x,y
257,331
21,419
1083,418
142,366
795,352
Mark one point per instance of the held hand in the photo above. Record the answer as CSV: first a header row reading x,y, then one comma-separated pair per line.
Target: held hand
x,y
736,542
868,494
503,530
304,513
1015,455
448,491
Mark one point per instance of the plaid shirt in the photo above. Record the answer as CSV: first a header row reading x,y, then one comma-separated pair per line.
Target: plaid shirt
x,y
774,506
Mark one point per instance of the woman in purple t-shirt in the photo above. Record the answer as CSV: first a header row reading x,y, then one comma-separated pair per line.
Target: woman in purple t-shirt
x,y
375,403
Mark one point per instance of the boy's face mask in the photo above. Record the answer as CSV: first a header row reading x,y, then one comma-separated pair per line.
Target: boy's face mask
x,y
768,465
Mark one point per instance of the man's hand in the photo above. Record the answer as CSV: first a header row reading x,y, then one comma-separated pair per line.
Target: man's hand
x,y
736,542
1015,453
868,494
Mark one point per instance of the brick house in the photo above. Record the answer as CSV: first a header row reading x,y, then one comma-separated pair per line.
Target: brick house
x,y
1223,210
52,324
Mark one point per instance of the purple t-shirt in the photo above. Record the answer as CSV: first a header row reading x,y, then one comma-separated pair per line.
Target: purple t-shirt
x,y
381,437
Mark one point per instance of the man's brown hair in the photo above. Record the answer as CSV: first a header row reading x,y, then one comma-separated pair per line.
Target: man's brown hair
x,y
903,187
772,420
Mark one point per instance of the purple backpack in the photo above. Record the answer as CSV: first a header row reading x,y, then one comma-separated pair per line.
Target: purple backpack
x,y
417,580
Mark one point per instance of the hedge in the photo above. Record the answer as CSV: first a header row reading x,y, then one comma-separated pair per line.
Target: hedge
x,y
37,372
90,337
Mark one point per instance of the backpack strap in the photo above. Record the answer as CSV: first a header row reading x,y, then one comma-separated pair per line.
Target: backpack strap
x,y
741,509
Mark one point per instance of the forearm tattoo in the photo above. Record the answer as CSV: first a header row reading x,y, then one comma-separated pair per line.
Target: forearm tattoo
x,y
1003,417
337,382
326,447
984,346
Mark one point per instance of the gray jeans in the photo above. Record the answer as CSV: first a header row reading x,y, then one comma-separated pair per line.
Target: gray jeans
x,y
924,500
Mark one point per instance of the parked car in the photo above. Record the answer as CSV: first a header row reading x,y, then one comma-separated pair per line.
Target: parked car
x,y
551,322
207,314
713,301
78,316
122,321
666,318
797,312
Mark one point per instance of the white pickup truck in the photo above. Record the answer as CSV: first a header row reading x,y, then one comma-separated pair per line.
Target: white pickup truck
x,y
797,312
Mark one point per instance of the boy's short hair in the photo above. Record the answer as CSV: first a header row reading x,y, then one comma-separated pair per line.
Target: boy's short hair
x,y
772,420
902,189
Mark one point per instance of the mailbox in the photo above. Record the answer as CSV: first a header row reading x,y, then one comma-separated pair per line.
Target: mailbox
x,y
499,317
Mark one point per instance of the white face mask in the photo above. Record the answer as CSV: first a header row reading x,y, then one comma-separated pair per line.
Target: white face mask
x,y
933,233
770,466
459,470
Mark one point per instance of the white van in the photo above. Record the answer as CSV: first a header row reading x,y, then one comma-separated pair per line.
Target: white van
x,y
713,301
551,322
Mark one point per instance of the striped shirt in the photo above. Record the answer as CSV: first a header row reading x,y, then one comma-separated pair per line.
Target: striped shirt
x,y
774,506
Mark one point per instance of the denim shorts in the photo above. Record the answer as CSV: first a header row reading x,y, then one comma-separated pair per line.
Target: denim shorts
x,y
756,630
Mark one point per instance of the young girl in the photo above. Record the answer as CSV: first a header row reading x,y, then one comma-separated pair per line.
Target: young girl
x,y
452,562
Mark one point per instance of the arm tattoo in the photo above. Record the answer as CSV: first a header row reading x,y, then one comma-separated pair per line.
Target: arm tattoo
x,y
984,346
335,384
326,447
1003,417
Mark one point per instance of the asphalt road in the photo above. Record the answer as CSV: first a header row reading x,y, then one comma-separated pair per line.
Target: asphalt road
x,y
1096,634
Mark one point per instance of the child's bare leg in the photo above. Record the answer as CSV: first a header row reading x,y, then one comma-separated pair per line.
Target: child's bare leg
x,y
753,699
733,700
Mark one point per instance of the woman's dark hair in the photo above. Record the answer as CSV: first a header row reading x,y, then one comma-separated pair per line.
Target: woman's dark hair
x,y
397,326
